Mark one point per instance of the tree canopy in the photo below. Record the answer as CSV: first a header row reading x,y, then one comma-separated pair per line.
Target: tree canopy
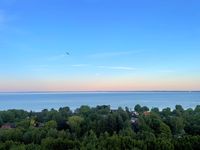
x,y
100,127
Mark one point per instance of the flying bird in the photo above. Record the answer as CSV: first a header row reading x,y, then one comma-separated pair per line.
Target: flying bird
x,y
67,53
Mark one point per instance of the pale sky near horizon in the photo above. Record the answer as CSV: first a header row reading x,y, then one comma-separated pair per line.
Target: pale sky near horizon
x,y
113,45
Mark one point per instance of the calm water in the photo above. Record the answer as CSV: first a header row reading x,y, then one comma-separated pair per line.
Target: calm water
x,y
39,101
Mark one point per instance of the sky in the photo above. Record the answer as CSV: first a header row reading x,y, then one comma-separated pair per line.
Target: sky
x,y
114,45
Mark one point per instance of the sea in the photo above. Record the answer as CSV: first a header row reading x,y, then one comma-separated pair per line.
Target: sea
x,y
37,101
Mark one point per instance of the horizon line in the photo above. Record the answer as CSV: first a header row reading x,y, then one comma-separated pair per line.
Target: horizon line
x,y
100,91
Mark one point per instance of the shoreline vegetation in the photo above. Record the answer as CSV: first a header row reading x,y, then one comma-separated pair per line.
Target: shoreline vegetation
x,y
100,127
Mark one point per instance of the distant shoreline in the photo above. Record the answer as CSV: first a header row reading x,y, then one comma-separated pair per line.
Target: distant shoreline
x,y
162,91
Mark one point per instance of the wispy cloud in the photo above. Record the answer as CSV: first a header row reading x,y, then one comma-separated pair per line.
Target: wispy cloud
x,y
105,67
114,54
117,68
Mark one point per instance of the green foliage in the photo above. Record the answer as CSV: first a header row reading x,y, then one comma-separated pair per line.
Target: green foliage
x,y
51,124
27,137
155,110
1,121
164,144
75,124
177,125
90,141
101,128
59,144
138,108
25,124
33,147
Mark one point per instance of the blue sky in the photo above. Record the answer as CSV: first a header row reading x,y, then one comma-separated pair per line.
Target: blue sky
x,y
113,45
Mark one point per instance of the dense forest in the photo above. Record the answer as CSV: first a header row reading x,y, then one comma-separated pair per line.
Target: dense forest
x,y
101,128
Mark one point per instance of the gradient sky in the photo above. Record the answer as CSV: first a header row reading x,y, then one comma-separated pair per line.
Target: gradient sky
x,y
113,45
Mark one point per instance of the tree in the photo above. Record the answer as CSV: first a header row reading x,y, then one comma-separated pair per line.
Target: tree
x,y
164,144
33,147
65,112
164,131
177,125
83,110
27,137
166,112
179,108
113,142
7,116
138,108
51,124
127,132
52,133
24,124
144,108
155,110
59,144
1,121
37,135
75,123
90,141
101,128
197,108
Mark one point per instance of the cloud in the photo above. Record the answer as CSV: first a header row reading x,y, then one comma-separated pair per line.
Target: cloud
x,y
117,68
114,54
105,67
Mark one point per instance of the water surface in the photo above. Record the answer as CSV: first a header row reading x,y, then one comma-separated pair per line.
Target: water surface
x,y
39,101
